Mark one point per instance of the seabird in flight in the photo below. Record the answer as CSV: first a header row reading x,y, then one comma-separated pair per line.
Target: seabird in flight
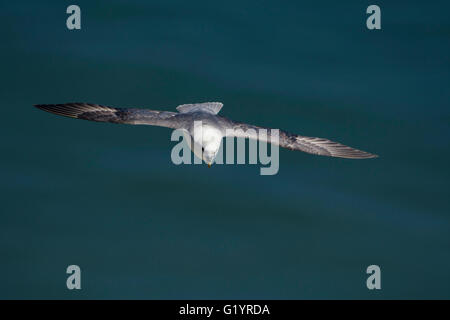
x,y
214,127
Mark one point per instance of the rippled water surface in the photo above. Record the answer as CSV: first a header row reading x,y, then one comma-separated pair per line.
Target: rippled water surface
x,y
107,197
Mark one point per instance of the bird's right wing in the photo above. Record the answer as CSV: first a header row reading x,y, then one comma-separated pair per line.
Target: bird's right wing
x,y
95,112
313,145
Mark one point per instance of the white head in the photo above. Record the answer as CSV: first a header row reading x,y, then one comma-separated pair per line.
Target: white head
x,y
210,140
210,150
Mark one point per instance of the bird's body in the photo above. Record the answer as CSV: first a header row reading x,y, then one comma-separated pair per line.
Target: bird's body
x,y
202,118
205,141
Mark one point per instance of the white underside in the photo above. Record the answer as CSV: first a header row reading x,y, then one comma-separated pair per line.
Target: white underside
x,y
208,138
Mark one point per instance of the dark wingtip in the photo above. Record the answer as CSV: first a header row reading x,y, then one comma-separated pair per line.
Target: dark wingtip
x,y
43,106
366,155
68,109
40,106
355,154
371,156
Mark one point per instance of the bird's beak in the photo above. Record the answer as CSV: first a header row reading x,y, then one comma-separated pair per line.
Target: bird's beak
x,y
209,165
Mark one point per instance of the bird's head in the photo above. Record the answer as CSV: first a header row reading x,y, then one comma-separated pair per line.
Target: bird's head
x,y
210,139
210,152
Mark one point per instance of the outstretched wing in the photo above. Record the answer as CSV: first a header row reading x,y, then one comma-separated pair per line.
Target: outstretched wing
x,y
95,112
318,146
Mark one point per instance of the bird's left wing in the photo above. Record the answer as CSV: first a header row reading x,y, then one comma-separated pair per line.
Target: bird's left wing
x,y
313,145
95,112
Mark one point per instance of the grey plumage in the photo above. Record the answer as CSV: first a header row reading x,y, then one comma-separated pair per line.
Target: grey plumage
x,y
313,145
99,113
210,107
205,112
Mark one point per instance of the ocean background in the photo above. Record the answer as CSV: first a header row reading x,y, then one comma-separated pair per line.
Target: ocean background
x,y
108,198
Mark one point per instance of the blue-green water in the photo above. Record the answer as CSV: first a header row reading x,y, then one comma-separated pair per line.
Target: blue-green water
x,y
107,197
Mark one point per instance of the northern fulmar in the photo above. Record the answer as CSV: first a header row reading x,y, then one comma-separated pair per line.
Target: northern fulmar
x,y
214,127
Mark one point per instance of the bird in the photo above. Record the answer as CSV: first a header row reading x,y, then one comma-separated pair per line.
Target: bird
x,y
214,127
